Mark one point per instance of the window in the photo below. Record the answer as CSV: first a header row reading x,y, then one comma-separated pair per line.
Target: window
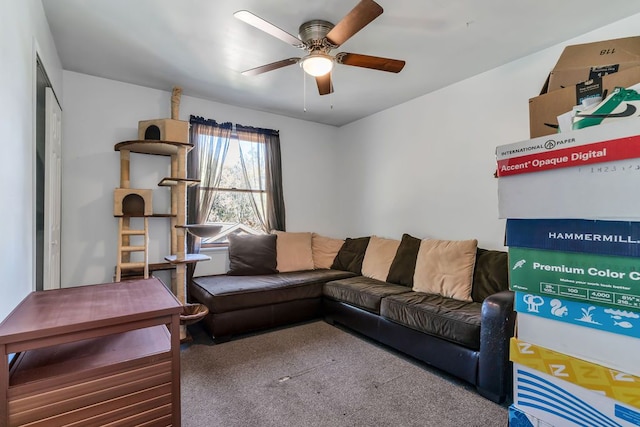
x,y
239,202
240,179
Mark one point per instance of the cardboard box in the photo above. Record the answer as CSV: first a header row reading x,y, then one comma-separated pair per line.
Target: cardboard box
x,y
619,238
597,378
544,109
595,316
519,418
606,191
613,351
582,62
592,279
597,144
562,403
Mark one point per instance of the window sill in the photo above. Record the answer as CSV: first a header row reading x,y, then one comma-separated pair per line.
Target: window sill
x,y
215,249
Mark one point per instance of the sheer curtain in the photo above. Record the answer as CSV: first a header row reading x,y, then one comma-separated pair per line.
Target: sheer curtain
x,y
262,170
210,145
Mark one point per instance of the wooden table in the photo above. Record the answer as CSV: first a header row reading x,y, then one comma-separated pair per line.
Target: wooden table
x,y
92,355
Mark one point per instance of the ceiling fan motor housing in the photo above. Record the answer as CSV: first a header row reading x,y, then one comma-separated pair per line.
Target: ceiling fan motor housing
x,y
313,34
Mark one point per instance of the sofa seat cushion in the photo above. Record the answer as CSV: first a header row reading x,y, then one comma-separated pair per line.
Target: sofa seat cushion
x,y
222,293
363,292
447,318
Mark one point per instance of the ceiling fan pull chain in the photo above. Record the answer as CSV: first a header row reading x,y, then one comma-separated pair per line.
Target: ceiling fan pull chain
x,y
304,91
331,86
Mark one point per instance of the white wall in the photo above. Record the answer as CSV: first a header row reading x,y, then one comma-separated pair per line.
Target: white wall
x,y
23,32
100,113
426,167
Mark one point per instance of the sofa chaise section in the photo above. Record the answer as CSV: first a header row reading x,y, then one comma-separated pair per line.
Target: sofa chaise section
x,y
240,304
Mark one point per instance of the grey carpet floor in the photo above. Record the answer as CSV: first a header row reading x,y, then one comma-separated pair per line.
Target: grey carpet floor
x,y
315,374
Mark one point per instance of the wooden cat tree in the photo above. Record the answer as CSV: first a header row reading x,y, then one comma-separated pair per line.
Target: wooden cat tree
x,y
163,137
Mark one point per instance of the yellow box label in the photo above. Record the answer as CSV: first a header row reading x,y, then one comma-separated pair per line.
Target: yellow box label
x,y
618,385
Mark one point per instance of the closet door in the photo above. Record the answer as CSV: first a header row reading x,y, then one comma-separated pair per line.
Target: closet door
x,y
53,191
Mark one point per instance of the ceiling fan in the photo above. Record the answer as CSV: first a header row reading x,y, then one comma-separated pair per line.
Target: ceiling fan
x,y
319,38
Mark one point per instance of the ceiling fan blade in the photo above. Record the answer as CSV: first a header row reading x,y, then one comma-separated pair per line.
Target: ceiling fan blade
x,y
359,17
325,85
270,67
267,27
373,62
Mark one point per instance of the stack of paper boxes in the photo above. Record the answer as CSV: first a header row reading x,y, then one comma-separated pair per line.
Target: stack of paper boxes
x,y
572,203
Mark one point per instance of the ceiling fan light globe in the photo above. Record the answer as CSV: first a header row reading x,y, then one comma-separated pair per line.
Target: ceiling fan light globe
x,y
317,65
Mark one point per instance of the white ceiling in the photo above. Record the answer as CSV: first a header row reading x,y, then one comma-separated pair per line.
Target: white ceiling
x,y
200,46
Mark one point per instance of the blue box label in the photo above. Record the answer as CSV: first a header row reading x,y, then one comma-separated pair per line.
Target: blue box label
x,y
615,320
519,418
621,238
627,414
565,404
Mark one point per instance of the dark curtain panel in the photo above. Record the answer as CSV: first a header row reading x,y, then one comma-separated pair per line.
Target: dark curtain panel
x,y
275,209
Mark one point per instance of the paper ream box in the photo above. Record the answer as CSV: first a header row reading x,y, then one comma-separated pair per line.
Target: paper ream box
x,y
616,321
519,418
596,144
574,138
562,403
602,191
620,238
613,351
617,385
593,279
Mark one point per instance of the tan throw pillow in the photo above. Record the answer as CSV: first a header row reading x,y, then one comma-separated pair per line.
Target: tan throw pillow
x,y
378,257
324,250
293,251
445,267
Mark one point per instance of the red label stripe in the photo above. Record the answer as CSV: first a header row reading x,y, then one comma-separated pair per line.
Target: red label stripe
x,y
599,152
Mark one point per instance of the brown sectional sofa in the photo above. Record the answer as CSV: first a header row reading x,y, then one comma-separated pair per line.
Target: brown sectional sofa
x,y
468,339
